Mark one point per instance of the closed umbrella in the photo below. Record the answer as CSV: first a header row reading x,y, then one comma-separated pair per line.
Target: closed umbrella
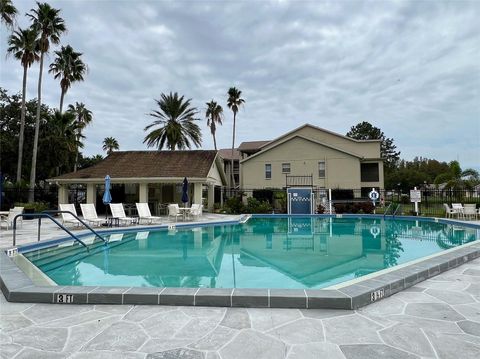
x,y
185,192
107,197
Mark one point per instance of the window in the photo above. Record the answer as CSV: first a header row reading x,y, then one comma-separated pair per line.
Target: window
x,y
285,167
369,172
321,169
268,171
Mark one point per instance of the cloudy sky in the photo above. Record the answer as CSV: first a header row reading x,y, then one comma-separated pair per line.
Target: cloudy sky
x,y
410,68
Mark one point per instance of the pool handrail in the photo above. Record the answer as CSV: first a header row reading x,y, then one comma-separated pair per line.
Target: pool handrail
x,y
40,216
78,219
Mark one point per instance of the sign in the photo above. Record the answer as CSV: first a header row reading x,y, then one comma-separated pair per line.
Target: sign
x,y
415,195
12,252
376,295
373,195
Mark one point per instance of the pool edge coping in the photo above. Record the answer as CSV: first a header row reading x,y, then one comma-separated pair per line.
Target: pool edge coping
x,y
18,287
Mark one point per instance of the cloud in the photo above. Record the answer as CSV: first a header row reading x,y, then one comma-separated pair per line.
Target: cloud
x,y
409,67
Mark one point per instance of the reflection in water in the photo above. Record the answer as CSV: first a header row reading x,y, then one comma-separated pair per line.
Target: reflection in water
x,y
292,252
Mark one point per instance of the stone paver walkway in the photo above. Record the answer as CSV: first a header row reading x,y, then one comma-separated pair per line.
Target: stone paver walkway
x,y
438,318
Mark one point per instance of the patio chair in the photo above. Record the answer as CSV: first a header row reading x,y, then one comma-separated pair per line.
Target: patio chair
x,y
470,211
449,212
195,210
8,219
145,214
119,213
67,217
458,209
174,211
89,214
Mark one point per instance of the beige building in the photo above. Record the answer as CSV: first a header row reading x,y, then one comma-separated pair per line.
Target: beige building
x,y
310,155
153,177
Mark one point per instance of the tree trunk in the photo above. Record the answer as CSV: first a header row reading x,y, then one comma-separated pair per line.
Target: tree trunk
x,y
22,127
213,129
31,193
61,100
233,148
75,165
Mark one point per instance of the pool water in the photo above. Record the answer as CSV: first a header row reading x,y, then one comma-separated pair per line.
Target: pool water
x,y
288,252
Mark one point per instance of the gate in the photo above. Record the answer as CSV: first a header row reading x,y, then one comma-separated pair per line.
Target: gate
x,y
300,200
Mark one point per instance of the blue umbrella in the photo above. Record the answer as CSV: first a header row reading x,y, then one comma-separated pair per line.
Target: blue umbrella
x,y
107,197
185,191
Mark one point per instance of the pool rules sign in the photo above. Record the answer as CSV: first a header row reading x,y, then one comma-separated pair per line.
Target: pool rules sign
x,y
415,197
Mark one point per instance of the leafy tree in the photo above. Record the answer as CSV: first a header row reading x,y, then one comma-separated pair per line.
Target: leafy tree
x,y
110,144
68,67
50,26
22,44
83,118
85,162
214,115
8,12
366,131
456,178
234,102
176,124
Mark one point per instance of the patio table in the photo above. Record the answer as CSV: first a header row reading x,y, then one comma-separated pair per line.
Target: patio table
x,y
184,211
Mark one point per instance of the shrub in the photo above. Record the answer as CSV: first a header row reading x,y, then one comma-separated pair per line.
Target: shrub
x,y
256,206
320,209
359,207
234,205
35,206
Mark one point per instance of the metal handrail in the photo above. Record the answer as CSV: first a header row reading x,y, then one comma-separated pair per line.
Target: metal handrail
x,y
40,216
77,218
396,209
386,211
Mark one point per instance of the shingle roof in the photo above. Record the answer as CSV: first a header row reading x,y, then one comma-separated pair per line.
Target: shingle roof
x,y
252,145
226,153
148,164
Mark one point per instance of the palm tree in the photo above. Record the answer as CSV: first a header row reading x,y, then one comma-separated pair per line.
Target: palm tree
x,y
50,26
456,178
83,118
234,102
110,144
69,68
22,44
214,115
7,12
177,127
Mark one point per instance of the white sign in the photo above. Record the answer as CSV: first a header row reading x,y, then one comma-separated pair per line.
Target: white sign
x,y
378,294
415,195
373,195
65,298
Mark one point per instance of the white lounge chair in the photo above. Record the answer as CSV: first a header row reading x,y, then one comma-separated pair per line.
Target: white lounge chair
x,y
174,211
89,214
449,212
195,210
8,219
145,214
67,217
119,213
470,211
458,209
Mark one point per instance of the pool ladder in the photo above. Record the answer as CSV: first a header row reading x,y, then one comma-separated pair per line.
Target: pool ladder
x,y
393,211
46,214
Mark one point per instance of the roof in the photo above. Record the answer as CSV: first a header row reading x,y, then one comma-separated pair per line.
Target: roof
x,y
252,145
148,164
226,153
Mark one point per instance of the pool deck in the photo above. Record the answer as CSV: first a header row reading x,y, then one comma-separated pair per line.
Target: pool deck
x,y
436,318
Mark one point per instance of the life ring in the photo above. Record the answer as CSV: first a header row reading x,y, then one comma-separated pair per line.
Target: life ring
x,y
375,231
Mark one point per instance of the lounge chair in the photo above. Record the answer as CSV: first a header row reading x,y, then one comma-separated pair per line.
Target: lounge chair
x,y
67,217
90,214
145,214
174,211
458,209
195,210
119,213
8,219
449,212
470,211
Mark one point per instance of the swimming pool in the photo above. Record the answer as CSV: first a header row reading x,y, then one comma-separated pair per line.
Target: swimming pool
x,y
265,252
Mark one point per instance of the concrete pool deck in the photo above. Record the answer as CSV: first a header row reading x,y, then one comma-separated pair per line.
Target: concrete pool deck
x,y
436,318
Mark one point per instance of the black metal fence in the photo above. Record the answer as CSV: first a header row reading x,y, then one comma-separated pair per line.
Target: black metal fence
x,y
45,198
351,200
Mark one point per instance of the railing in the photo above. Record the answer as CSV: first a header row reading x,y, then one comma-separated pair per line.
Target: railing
x,y
298,181
386,210
40,216
399,206
46,214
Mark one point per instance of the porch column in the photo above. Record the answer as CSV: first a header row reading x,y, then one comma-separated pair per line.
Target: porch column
x,y
143,193
91,193
197,193
62,194
211,196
